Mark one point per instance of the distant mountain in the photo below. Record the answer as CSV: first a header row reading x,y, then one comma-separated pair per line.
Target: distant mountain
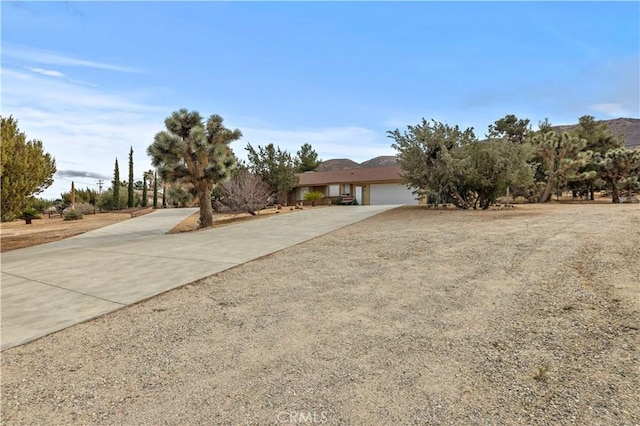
x,y
345,164
382,161
627,128
337,164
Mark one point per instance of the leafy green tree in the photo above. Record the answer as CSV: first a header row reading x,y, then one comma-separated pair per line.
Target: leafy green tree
x,y
510,127
620,168
41,205
276,167
116,184
598,141
83,196
444,162
25,169
562,156
597,136
307,159
489,167
130,193
195,152
425,153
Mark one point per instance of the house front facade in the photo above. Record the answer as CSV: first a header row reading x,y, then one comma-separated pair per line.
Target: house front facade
x,y
365,185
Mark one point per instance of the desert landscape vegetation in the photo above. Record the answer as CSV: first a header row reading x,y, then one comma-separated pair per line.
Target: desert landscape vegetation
x,y
390,249
465,308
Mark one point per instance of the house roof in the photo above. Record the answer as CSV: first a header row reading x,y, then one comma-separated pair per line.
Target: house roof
x,y
359,175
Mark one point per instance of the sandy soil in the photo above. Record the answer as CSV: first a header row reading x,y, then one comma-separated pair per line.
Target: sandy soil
x,y
224,219
416,316
17,234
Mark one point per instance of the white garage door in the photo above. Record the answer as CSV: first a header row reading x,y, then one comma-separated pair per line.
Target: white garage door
x,y
391,193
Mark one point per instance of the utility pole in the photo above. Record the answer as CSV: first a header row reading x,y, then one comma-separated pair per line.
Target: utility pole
x,y
100,183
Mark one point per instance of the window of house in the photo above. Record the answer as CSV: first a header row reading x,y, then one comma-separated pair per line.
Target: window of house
x,y
333,190
301,191
346,189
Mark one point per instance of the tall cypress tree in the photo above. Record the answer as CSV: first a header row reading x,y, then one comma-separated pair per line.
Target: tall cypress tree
x,y
144,191
155,190
130,197
116,186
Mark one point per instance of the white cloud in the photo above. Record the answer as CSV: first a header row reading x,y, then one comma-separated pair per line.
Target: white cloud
x,y
612,109
48,73
49,58
83,127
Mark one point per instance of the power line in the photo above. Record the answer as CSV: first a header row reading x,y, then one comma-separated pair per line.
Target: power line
x,y
76,181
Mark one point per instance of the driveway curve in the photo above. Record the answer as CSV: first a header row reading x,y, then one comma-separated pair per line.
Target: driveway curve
x,y
53,286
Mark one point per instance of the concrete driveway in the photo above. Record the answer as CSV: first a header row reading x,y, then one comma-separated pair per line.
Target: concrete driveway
x,y
53,286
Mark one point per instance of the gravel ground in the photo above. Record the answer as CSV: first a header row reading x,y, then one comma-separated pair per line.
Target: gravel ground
x,y
416,316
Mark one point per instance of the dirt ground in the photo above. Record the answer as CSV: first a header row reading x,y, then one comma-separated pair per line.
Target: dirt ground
x,y
17,234
416,316
223,219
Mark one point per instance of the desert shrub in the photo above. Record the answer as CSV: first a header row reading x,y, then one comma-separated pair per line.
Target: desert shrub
x,y
40,204
73,215
30,213
313,197
9,217
84,208
245,192
105,202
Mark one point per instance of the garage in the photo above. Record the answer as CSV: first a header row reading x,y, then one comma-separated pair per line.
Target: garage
x,y
391,193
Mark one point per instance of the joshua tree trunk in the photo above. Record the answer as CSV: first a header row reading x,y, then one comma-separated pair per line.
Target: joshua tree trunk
x,y
206,210
615,194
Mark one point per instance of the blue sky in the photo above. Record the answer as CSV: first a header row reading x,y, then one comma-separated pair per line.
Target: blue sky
x,y
91,79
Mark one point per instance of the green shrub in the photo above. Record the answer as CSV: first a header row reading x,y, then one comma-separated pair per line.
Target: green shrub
x,y
9,217
313,197
105,202
40,204
73,215
30,213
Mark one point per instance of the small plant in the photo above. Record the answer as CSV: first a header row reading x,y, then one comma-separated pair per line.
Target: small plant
x,y
313,197
30,214
542,373
73,215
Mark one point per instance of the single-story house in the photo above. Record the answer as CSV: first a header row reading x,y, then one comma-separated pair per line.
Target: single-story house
x,y
365,185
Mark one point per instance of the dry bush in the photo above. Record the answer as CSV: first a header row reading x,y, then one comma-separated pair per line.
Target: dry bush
x,y
243,193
